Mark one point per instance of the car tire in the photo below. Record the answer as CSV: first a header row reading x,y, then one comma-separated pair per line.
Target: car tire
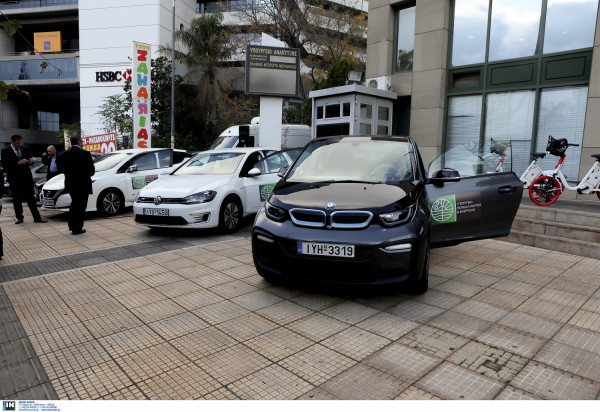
x,y
420,285
230,215
110,202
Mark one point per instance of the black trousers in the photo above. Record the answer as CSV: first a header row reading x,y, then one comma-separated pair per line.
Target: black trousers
x,y
77,211
23,192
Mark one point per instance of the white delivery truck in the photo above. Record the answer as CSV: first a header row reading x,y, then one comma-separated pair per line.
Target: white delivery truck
x,y
247,135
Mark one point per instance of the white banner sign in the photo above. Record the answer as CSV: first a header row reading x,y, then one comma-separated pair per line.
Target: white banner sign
x,y
140,89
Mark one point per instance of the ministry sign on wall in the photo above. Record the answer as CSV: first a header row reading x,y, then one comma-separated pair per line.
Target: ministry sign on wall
x,y
272,71
140,90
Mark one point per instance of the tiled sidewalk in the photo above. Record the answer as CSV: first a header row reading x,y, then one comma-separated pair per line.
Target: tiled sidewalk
x,y
500,321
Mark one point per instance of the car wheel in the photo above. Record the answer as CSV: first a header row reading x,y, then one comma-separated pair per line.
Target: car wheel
x,y
110,202
421,285
230,215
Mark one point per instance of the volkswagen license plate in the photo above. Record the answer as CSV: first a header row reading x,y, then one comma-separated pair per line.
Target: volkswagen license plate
x,y
325,249
156,212
49,202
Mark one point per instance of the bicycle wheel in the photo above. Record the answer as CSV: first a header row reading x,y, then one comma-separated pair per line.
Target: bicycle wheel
x,y
544,190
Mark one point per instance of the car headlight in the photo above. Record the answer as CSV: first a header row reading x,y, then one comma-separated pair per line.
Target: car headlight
x,y
201,197
396,217
274,213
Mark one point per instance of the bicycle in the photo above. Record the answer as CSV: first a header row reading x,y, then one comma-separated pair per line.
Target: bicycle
x,y
498,149
546,186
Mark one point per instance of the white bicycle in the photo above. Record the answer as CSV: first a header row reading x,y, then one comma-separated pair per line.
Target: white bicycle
x,y
546,186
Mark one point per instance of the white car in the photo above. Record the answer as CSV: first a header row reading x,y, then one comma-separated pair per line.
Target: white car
x,y
118,179
216,188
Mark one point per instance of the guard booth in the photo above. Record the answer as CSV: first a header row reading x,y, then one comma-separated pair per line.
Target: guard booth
x,y
352,109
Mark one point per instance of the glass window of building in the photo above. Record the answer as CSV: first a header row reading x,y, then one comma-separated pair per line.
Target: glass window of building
x,y
470,31
509,117
570,25
47,121
562,115
464,120
405,40
514,29
366,111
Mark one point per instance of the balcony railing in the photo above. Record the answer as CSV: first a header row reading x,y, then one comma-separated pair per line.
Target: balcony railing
x,y
15,4
229,6
57,69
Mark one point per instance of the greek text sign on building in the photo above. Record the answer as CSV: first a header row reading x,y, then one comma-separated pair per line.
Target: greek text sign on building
x,y
272,71
102,143
140,90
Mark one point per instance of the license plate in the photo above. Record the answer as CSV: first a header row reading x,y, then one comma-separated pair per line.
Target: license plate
x,y
49,202
325,249
156,212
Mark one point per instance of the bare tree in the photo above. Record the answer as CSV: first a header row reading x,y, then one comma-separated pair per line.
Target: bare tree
x,y
325,32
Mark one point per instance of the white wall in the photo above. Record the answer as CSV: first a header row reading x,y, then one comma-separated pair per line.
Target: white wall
x,y
107,29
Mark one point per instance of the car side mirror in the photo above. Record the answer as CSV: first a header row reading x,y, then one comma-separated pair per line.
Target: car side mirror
x,y
132,168
255,171
282,171
445,175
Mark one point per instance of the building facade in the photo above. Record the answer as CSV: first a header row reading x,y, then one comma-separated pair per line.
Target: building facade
x,y
87,45
467,71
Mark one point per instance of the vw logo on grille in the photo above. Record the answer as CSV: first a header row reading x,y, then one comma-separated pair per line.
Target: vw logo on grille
x,y
330,205
157,200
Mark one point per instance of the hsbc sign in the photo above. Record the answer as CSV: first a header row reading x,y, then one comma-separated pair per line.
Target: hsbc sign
x,y
116,76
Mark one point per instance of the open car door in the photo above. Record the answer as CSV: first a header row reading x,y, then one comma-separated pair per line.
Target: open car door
x,y
469,200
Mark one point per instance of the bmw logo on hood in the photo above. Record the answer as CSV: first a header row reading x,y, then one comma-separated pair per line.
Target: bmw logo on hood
x,y
330,205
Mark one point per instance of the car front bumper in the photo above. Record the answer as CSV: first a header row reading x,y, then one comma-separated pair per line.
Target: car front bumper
x,y
203,215
383,255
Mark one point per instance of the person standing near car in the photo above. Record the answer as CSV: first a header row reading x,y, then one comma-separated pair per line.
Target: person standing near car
x,y
49,159
78,167
16,160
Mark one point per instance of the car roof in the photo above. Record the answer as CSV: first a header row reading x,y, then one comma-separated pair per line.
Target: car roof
x,y
135,151
374,137
239,150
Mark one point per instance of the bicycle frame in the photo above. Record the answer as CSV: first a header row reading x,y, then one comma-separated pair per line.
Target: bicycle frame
x,y
581,187
531,173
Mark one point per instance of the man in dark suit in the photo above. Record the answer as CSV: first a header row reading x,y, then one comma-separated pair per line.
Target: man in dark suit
x,y
16,160
78,167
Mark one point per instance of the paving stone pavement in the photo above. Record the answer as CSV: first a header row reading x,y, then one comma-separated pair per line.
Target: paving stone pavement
x,y
125,313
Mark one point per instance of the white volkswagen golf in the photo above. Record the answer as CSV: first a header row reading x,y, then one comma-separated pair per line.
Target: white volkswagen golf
x,y
216,188
118,179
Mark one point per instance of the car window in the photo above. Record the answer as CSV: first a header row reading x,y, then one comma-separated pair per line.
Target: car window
x,y
164,158
211,164
471,159
146,161
354,159
179,157
272,163
249,163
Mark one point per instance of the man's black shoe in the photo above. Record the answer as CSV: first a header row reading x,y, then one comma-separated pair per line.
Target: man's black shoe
x,y
19,221
78,232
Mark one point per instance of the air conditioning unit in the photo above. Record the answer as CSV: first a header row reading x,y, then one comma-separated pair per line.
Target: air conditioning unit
x,y
381,82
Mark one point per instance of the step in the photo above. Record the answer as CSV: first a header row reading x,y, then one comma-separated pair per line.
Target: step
x,y
558,243
588,233
561,215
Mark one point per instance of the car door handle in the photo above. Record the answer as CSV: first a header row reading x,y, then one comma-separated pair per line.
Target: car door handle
x,y
506,189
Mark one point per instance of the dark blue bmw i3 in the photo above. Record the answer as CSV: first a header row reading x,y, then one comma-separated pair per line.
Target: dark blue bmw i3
x,y
363,211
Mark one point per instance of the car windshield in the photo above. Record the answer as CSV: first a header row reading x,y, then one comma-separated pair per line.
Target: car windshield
x,y
211,164
224,142
109,161
354,159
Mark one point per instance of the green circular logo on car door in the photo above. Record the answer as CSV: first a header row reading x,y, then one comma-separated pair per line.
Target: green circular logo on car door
x,y
443,210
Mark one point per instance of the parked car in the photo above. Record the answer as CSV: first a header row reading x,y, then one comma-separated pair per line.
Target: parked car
x,y
38,172
41,180
118,179
361,210
216,188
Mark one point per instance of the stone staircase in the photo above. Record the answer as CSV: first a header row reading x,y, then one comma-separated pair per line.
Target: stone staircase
x,y
570,226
